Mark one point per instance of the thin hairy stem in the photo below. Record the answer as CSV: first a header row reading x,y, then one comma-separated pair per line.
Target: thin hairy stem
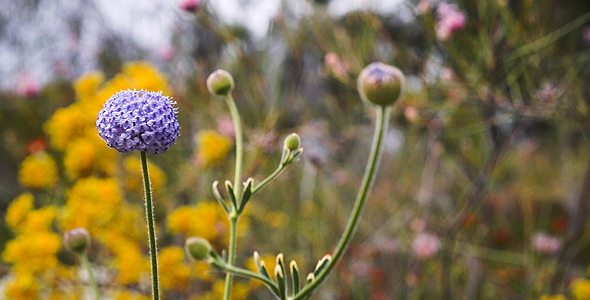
x,y
149,210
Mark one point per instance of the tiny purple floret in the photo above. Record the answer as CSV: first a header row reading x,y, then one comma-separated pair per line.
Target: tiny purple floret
x,y
138,120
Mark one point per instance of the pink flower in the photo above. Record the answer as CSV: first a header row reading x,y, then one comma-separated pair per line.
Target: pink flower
x,y
449,20
27,86
426,245
190,5
226,127
546,244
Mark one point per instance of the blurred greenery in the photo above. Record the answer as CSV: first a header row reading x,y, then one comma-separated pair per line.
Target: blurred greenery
x,y
488,149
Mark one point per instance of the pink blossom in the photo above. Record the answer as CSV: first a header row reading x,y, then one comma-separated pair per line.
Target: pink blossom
x,y
27,86
226,127
190,5
546,244
335,64
449,20
426,245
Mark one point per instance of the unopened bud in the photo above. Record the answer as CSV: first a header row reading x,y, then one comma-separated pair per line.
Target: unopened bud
x,y
220,83
381,84
198,248
191,6
77,240
292,141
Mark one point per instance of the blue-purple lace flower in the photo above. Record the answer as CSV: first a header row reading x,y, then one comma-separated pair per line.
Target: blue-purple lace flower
x,y
138,120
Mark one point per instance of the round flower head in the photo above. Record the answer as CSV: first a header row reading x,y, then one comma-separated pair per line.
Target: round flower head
x,y
138,120
381,84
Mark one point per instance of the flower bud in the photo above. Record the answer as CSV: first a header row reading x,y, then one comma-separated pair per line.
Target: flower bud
x,y
198,248
292,141
381,84
77,240
220,83
191,6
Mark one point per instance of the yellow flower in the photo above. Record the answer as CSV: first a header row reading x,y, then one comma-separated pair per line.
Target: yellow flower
x,y
581,289
134,175
38,220
129,295
91,203
86,86
66,124
128,259
206,220
212,147
17,212
33,253
38,170
554,297
23,287
173,272
79,158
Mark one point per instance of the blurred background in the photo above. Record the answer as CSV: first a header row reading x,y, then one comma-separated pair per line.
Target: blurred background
x,y
483,187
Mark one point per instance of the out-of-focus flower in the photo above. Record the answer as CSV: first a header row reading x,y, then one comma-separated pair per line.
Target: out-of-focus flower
x,y
79,158
167,54
32,253
190,5
38,220
38,170
134,175
65,125
91,203
449,20
129,295
212,147
37,145
335,65
16,214
23,287
585,36
546,244
552,297
28,86
207,220
173,272
424,6
225,126
87,85
426,245
581,289
138,120
77,239
381,84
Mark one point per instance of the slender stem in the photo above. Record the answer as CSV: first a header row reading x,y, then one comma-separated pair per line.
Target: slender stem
x,y
249,274
359,205
269,178
233,241
233,109
149,210
86,266
234,214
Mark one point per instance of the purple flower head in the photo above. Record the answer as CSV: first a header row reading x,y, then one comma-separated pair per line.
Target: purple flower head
x,y
138,120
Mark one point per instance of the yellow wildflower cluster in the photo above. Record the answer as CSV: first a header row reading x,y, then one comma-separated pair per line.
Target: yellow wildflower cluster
x,y
581,289
212,147
94,199
33,251
207,219
38,171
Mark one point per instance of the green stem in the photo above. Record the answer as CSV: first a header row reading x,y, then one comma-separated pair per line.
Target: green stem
x,y
86,266
359,205
252,275
233,109
149,210
269,178
233,241
234,214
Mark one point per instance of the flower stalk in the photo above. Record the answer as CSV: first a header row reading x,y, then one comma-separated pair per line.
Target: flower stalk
x,y
149,210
